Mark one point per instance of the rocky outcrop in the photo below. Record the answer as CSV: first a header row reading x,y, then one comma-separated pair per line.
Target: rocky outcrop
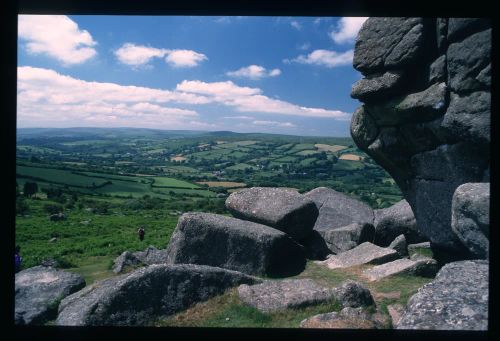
x,y
141,296
366,253
348,237
39,290
470,217
216,240
271,296
423,266
457,299
130,260
396,220
347,318
353,294
399,244
337,209
426,112
283,209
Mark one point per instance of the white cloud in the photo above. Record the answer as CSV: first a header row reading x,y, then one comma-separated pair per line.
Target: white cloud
x,y
56,36
254,72
275,124
295,24
347,29
326,58
137,55
184,58
47,98
239,117
245,99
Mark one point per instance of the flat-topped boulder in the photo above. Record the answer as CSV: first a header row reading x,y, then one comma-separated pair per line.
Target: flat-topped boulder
x,y
283,209
271,296
470,217
424,266
337,209
347,318
457,299
347,237
395,220
151,292
226,242
366,253
38,291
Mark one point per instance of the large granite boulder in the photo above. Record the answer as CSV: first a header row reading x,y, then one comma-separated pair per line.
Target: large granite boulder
x,y
337,209
347,318
125,261
271,296
470,217
216,240
348,237
141,296
399,244
283,209
457,299
430,129
130,260
39,290
396,220
366,253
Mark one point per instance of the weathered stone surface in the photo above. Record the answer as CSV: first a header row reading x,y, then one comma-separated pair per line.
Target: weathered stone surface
x,y
285,210
347,237
470,218
469,117
337,209
393,221
363,128
378,86
152,255
459,28
366,253
388,42
430,140
399,244
353,294
457,299
347,318
145,294
395,311
424,266
466,59
216,240
124,261
437,70
271,296
416,107
423,245
315,246
38,291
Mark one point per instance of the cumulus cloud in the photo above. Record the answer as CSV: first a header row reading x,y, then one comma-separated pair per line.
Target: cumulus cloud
x,y
137,55
245,99
47,98
254,72
274,124
347,29
56,36
239,117
326,58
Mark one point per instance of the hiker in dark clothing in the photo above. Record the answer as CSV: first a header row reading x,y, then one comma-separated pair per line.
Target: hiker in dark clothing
x,y
141,233
17,258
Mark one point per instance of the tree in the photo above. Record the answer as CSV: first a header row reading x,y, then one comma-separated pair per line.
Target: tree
x,y
30,188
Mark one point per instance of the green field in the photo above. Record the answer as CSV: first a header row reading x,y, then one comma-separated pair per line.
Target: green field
x,y
59,176
171,182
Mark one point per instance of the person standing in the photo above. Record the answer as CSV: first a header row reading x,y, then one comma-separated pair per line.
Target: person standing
x,y
18,259
141,233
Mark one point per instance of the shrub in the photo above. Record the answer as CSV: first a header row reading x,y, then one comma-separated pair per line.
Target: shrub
x,y
52,208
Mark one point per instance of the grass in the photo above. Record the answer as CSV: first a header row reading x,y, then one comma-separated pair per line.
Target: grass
x,y
95,269
229,311
171,182
59,176
329,148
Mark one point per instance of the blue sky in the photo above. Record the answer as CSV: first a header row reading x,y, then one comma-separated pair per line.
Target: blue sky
x,y
289,75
